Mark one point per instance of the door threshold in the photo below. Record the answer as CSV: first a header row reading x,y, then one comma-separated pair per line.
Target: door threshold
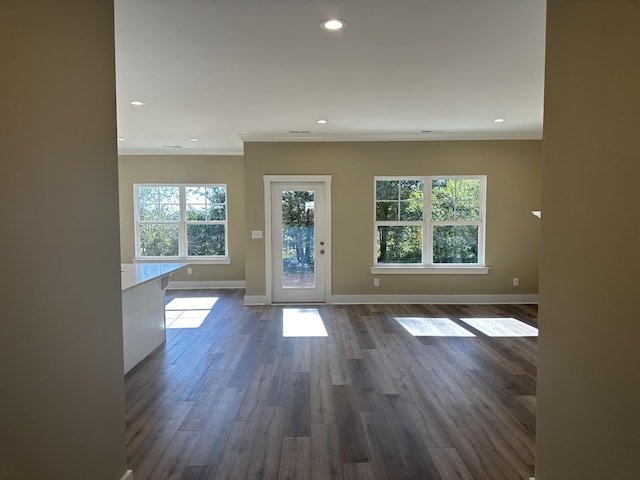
x,y
298,303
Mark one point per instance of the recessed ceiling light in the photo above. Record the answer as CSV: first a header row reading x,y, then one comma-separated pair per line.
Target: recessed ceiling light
x,y
137,103
498,120
333,24
194,139
122,139
321,122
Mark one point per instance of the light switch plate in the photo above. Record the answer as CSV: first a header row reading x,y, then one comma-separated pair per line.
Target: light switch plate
x,y
256,233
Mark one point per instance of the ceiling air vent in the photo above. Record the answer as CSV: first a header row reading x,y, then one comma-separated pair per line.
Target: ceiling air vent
x,y
171,146
299,131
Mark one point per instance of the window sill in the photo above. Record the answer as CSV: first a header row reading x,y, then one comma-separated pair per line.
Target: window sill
x,y
191,260
421,270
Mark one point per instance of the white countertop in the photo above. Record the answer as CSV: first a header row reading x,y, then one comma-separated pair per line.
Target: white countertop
x,y
138,273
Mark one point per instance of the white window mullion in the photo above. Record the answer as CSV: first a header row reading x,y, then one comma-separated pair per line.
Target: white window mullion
x,y
182,226
483,222
136,221
427,239
137,252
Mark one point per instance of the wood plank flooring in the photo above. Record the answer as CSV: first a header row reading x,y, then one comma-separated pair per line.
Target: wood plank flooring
x,y
234,399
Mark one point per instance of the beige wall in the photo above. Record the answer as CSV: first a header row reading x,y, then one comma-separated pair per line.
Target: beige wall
x,y
61,381
589,361
513,190
188,169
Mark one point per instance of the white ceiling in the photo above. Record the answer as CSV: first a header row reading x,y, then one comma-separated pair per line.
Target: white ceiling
x,y
224,71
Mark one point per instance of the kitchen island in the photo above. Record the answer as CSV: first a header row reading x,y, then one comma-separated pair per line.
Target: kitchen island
x,y
143,322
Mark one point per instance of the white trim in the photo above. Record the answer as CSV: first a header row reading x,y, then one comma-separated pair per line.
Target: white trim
x,y
180,151
434,299
387,137
128,475
205,285
334,137
194,260
420,270
414,299
269,180
182,222
256,300
427,224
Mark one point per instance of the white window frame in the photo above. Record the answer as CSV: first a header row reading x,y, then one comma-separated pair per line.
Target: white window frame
x,y
182,226
427,224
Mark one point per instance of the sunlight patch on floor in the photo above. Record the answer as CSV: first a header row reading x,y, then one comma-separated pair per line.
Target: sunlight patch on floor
x,y
432,327
302,322
192,303
502,327
188,312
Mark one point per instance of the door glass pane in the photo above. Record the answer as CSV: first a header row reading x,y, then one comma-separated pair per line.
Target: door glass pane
x,y
298,239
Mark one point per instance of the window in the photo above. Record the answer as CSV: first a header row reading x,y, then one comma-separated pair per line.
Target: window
x,y
430,221
181,221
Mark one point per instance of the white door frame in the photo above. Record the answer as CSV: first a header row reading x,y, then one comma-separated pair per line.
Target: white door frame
x,y
268,181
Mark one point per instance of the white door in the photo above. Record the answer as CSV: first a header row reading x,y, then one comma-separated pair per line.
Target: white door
x,y
299,247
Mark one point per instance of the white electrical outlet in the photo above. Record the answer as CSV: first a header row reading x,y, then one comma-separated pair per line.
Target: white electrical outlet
x,y
376,282
189,271
516,281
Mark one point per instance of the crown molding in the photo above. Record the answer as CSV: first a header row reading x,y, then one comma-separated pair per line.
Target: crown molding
x,y
387,137
180,151
333,137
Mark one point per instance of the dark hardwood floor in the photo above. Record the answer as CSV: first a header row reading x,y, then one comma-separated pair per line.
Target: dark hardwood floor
x,y
236,399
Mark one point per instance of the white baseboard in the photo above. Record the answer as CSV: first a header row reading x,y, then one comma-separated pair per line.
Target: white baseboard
x,y
434,299
255,300
414,299
173,285
128,475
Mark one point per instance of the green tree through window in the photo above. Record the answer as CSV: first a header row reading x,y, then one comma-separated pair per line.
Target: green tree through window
x,y
298,255
452,232
181,221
